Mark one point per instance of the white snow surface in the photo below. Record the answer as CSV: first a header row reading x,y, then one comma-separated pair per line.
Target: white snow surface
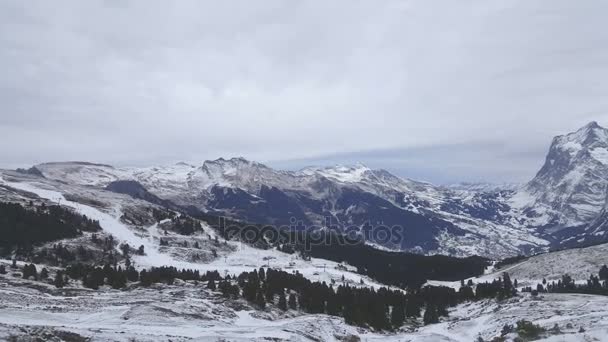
x,y
188,312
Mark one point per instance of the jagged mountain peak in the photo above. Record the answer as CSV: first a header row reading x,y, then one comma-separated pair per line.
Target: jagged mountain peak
x,y
588,136
232,165
588,144
572,182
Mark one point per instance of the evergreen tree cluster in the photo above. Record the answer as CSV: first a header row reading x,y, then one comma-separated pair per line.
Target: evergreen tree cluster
x,y
185,225
397,268
23,227
59,254
160,214
596,285
381,309
500,288
29,271
117,277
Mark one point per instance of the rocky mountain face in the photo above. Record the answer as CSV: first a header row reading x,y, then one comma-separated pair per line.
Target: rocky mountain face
x,y
558,207
570,188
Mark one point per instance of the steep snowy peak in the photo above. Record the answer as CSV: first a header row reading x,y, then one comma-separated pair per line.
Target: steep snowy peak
x,y
589,137
571,185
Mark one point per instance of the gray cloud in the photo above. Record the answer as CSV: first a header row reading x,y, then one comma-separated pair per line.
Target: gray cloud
x,y
141,82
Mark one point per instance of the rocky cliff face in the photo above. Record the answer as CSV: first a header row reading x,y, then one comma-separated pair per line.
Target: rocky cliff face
x,y
570,188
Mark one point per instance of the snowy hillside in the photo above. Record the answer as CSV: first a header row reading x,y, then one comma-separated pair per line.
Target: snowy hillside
x,y
579,263
233,258
185,312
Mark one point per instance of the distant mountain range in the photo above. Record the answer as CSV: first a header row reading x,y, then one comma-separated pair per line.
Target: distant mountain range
x,y
564,205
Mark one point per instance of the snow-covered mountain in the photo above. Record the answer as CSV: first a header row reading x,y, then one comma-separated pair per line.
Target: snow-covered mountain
x,y
186,310
433,219
557,207
570,188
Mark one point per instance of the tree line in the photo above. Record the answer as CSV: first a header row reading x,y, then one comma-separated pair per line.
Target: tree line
x,y
596,284
22,227
381,309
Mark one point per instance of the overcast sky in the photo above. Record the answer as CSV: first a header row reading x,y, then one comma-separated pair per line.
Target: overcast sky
x,y
435,90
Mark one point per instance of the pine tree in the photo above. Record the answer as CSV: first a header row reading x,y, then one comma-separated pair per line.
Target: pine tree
x,y
282,302
412,307
398,315
430,314
44,273
333,306
292,302
348,312
260,300
29,271
603,273
132,274
211,285
144,278
2,269
508,289
466,293
59,282
118,279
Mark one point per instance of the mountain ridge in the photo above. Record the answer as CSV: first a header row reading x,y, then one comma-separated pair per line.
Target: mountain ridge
x,y
567,194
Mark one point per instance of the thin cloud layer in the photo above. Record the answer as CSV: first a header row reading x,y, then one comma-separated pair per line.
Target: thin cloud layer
x,y
144,82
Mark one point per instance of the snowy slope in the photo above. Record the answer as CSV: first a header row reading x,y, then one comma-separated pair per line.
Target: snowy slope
x,y
188,312
579,263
